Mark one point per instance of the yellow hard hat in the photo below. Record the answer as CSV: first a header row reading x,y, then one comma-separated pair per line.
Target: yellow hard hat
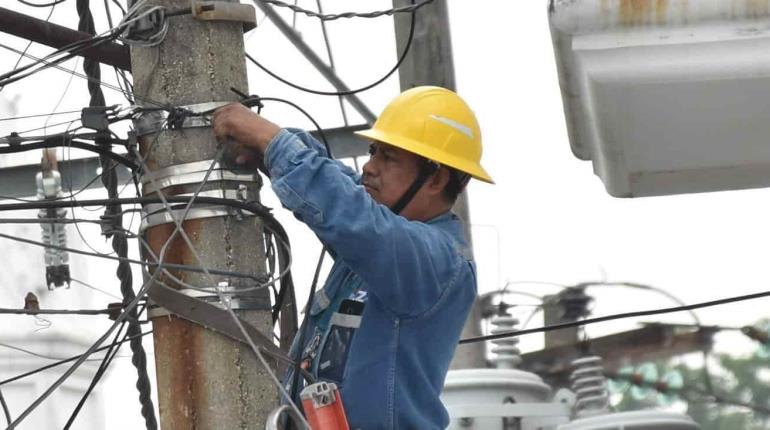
x,y
434,123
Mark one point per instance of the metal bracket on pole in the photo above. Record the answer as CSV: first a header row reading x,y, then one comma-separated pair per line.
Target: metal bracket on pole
x,y
225,11
211,316
229,293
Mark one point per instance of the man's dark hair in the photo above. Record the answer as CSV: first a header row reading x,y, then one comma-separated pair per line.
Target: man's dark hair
x,y
457,179
456,184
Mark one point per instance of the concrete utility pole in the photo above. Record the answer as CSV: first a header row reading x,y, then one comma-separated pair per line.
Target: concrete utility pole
x,y
429,62
569,305
205,381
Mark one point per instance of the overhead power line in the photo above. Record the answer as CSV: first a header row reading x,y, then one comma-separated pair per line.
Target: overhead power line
x,y
333,16
42,5
65,361
625,315
401,59
56,311
39,115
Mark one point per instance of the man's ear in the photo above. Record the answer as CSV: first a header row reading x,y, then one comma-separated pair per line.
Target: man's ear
x,y
438,181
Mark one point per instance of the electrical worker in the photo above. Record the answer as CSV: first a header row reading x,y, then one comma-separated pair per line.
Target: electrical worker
x,y
386,323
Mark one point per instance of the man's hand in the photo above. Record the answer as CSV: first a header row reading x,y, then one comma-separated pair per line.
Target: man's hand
x,y
244,134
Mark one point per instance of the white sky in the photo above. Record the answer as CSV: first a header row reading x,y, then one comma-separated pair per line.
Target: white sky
x,y
548,219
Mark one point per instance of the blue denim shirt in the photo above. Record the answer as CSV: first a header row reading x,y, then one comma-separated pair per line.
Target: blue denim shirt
x,y
386,323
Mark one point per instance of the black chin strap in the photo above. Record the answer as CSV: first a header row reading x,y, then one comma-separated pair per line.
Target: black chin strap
x,y
427,169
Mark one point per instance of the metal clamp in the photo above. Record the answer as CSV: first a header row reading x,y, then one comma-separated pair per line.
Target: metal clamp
x,y
225,11
193,173
157,213
194,213
152,121
153,208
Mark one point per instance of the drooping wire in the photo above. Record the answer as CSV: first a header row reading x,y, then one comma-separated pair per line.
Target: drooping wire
x,y
303,328
87,285
79,46
45,126
92,69
223,300
26,48
349,92
46,221
37,354
330,17
69,196
170,266
50,4
123,316
6,412
79,361
79,75
270,223
38,115
588,321
62,140
59,362
8,311
112,351
64,93
706,351
331,61
76,48
158,269
251,101
120,6
119,74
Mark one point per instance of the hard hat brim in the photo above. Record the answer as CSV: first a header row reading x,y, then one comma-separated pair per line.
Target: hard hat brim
x,y
474,169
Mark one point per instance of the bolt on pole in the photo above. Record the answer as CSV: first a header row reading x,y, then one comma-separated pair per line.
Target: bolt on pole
x,y
204,380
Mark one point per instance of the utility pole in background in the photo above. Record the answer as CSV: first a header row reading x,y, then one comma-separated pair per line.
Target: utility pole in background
x,y
429,62
205,380
569,305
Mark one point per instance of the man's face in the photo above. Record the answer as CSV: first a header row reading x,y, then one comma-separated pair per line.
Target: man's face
x,y
389,173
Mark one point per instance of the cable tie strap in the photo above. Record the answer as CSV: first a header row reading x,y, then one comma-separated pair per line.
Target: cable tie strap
x,y
176,118
189,116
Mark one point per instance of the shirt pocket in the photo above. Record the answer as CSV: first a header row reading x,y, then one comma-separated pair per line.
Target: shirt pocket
x,y
336,346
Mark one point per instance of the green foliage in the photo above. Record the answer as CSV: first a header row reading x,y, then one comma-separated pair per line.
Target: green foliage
x,y
742,380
